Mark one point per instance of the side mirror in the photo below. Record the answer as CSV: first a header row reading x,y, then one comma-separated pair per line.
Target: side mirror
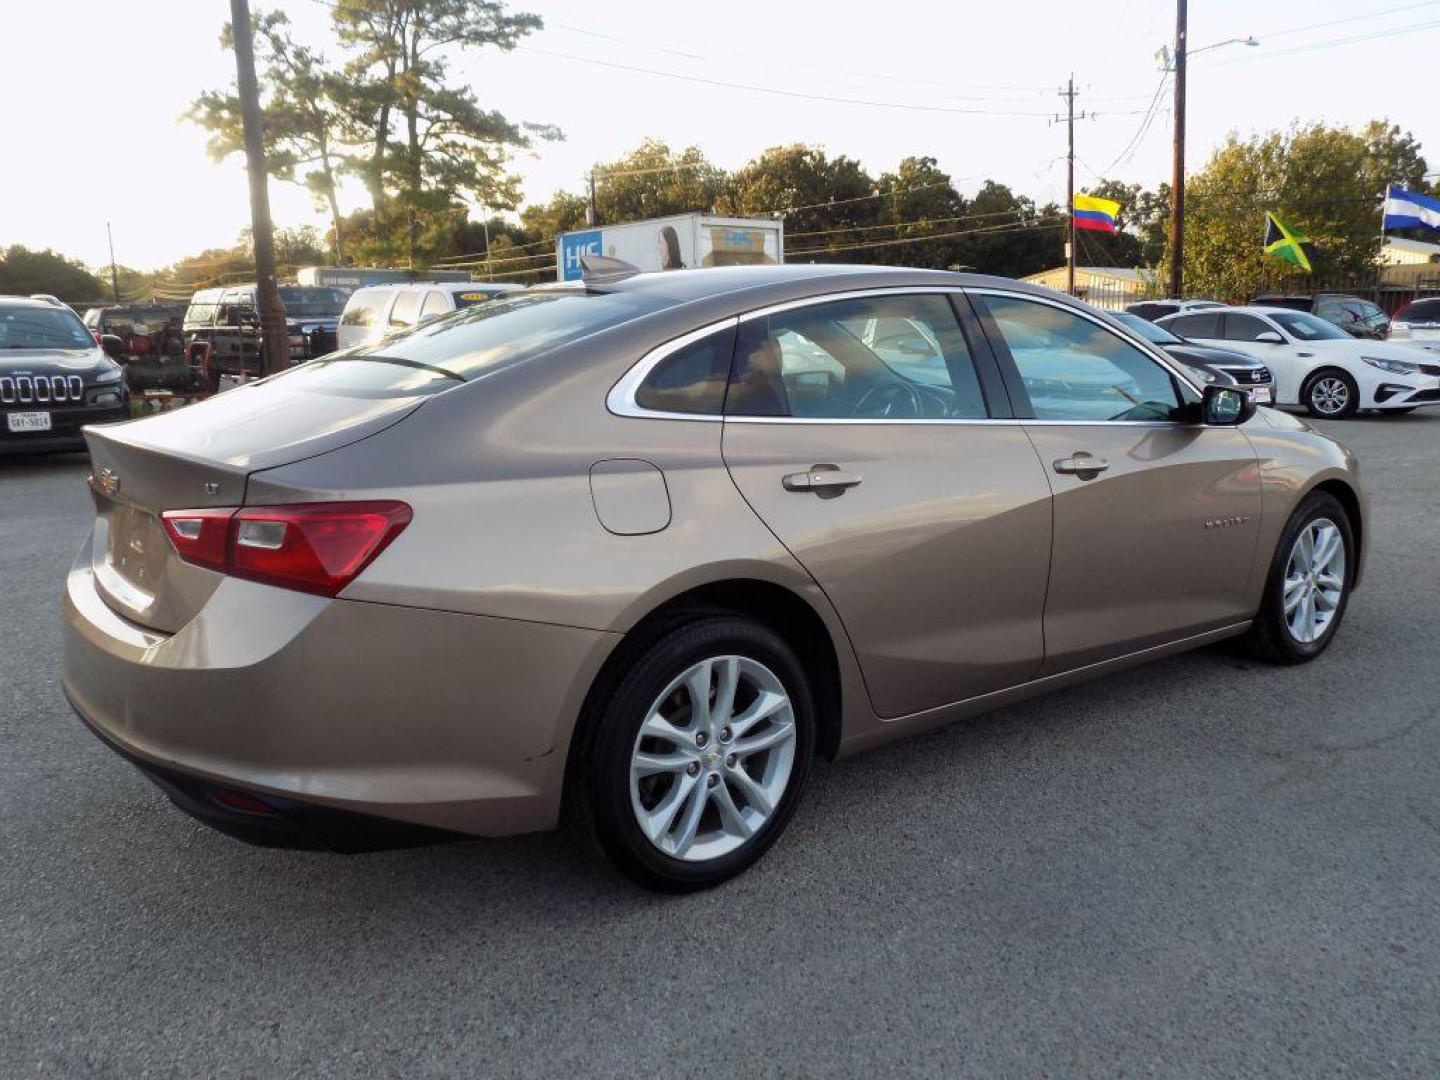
x,y
1269,337
113,345
1225,406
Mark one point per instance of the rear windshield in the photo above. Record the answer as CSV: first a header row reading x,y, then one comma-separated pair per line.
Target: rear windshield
x,y
42,328
477,339
1421,311
1303,326
310,303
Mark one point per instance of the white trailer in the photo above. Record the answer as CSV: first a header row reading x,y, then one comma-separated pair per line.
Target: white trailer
x,y
673,243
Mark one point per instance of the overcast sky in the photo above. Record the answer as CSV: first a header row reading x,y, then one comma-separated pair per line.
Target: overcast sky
x,y
94,89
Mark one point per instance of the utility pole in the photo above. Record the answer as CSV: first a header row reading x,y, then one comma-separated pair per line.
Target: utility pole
x,y
114,278
1177,181
1069,95
592,216
274,337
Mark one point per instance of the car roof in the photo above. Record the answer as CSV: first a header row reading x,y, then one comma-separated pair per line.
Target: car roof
x,y
451,286
789,279
26,302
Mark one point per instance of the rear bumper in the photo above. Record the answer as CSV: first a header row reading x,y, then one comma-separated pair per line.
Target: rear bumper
x,y
328,709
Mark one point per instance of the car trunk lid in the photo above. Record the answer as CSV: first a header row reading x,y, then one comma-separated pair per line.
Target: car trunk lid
x,y
197,457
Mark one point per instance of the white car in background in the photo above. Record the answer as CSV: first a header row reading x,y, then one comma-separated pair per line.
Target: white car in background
x,y
376,310
1315,363
1418,324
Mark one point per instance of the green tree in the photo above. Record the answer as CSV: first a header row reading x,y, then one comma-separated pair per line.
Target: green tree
x,y
23,272
1324,181
1011,236
428,143
650,181
303,117
917,200
826,201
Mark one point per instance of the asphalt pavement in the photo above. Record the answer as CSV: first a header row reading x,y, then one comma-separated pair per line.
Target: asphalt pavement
x,y
1203,867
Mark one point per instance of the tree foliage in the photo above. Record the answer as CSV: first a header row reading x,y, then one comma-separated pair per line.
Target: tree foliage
x,y
23,271
393,114
1326,182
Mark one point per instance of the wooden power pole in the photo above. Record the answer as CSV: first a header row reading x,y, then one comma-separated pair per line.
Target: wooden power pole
x,y
274,337
1177,181
1069,95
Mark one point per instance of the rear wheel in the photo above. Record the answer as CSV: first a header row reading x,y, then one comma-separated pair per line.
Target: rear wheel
x,y
1309,583
700,757
1330,394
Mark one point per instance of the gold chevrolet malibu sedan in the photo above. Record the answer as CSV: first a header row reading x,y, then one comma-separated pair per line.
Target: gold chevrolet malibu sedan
x,y
633,551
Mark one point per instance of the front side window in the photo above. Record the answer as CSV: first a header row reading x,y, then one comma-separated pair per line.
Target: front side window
x,y
1075,369
364,309
691,379
880,357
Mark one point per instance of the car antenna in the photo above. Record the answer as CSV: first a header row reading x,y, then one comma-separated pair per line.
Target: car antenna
x,y
601,269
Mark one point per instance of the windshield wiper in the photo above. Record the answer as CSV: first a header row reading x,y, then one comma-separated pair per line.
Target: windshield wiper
x,y
407,363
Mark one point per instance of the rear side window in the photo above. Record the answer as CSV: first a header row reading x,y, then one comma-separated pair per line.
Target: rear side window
x,y
435,304
364,309
1152,311
406,309
884,357
1244,328
1199,325
691,379
1421,311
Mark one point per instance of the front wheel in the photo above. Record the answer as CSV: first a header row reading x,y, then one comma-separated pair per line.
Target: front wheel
x,y
1330,394
700,756
1309,583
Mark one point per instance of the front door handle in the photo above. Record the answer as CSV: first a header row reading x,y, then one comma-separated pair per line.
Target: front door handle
x,y
826,481
1084,465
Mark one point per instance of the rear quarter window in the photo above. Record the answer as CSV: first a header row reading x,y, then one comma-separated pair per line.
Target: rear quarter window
x,y
691,379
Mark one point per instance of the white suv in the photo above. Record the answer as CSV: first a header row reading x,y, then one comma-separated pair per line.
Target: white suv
x,y
376,310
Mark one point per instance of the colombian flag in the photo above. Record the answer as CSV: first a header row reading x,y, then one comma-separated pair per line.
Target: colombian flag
x,y
1097,214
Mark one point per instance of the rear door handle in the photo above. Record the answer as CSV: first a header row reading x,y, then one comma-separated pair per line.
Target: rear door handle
x,y
823,480
1085,466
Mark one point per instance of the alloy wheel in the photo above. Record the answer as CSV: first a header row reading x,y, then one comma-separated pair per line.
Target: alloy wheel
x,y
1314,580
1330,395
712,758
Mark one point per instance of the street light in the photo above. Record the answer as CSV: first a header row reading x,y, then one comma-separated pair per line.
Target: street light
x,y
1177,180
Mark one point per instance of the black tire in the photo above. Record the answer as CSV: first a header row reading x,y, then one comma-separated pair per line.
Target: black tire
x,y
1270,637
1327,377
600,793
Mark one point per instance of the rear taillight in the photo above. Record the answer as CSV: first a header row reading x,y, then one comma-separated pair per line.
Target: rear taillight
x,y
314,547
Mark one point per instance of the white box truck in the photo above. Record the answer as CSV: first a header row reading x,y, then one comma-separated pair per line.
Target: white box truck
x,y
673,243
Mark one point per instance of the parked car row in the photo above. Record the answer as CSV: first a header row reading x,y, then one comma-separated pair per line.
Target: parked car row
x,y
1330,371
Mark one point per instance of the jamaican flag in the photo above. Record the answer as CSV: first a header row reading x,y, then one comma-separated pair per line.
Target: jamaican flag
x,y
1285,243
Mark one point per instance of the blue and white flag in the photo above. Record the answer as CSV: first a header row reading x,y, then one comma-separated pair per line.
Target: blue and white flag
x,y
1406,210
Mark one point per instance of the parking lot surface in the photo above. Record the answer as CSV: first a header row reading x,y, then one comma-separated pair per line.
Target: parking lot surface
x,y
1205,866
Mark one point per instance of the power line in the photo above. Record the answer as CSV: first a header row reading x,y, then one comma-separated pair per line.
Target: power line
x,y
753,88
1347,19
1054,222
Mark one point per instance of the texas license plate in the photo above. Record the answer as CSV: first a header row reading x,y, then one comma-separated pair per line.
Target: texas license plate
x,y
28,421
1261,395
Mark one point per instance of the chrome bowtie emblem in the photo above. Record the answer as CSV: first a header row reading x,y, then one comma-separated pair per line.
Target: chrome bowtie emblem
x,y
108,481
